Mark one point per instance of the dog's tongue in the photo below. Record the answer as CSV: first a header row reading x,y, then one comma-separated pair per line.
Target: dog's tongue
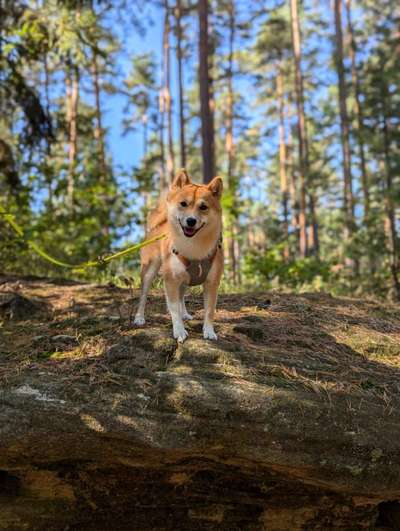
x,y
189,231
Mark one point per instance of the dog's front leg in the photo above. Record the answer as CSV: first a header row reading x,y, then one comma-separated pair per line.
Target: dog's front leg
x,y
149,271
211,286
173,292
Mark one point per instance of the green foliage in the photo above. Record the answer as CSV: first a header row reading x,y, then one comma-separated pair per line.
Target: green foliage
x,y
48,46
271,269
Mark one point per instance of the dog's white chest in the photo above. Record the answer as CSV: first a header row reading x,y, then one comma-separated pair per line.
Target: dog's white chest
x,y
177,268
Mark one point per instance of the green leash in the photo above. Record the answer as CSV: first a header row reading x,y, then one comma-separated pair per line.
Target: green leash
x,y
10,219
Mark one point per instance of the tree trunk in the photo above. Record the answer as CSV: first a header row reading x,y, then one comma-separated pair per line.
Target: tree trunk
x,y
98,129
178,17
314,233
48,145
229,144
359,114
301,127
145,149
283,161
206,103
348,200
68,113
238,251
163,176
72,90
99,138
47,87
293,185
390,213
167,94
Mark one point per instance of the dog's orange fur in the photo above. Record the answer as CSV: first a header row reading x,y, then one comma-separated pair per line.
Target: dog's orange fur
x,y
166,219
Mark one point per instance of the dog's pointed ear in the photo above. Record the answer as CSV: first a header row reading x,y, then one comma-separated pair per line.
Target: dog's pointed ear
x,y
181,179
216,186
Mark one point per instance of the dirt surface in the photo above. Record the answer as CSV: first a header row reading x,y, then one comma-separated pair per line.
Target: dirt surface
x,y
290,420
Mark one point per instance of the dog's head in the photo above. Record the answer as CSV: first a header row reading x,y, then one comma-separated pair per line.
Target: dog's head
x,y
194,209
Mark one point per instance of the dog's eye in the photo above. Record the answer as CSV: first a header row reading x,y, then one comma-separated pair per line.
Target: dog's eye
x,y
203,207
183,204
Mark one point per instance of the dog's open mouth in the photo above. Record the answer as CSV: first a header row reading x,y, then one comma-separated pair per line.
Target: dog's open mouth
x,y
189,232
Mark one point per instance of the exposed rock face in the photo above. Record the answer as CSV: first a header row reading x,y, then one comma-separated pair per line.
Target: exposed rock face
x,y
289,421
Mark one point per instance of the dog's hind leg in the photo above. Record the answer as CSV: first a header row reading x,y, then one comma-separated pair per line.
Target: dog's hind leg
x,y
149,271
185,314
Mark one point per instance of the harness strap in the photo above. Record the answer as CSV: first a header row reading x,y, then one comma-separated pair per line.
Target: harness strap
x,y
198,269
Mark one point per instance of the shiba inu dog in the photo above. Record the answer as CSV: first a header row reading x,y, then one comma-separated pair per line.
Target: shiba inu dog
x,y
191,254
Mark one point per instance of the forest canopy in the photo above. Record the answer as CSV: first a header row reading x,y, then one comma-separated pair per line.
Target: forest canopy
x,y
296,104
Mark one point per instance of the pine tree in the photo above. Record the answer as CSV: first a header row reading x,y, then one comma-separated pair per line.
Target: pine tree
x,y
181,96
72,102
348,198
167,98
301,127
206,106
358,111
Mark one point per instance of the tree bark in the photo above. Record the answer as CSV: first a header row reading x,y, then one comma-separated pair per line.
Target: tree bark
x,y
359,113
163,176
301,127
348,199
48,145
72,92
229,144
206,103
179,54
99,138
390,213
314,233
98,129
146,193
293,185
167,94
283,161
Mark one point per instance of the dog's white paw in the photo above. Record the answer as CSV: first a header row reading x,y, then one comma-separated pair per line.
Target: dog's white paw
x,y
187,316
209,333
180,333
139,320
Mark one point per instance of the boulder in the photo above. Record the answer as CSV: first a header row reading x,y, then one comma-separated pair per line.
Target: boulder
x,y
289,421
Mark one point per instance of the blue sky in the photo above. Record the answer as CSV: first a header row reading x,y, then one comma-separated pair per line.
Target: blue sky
x,y
127,150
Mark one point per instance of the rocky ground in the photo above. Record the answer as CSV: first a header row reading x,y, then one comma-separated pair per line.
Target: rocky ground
x,y
289,421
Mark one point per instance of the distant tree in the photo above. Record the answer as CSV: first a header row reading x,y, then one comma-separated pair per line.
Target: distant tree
x,y
167,97
178,12
72,102
273,47
348,197
24,39
301,127
142,106
358,111
206,96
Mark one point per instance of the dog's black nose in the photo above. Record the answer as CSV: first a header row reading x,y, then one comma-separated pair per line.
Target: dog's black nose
x,y
191,222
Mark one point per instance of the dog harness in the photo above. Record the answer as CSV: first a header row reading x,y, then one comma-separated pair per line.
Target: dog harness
x,y
198,269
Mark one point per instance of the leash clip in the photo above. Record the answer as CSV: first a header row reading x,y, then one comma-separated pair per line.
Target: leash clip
x,y
101,259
